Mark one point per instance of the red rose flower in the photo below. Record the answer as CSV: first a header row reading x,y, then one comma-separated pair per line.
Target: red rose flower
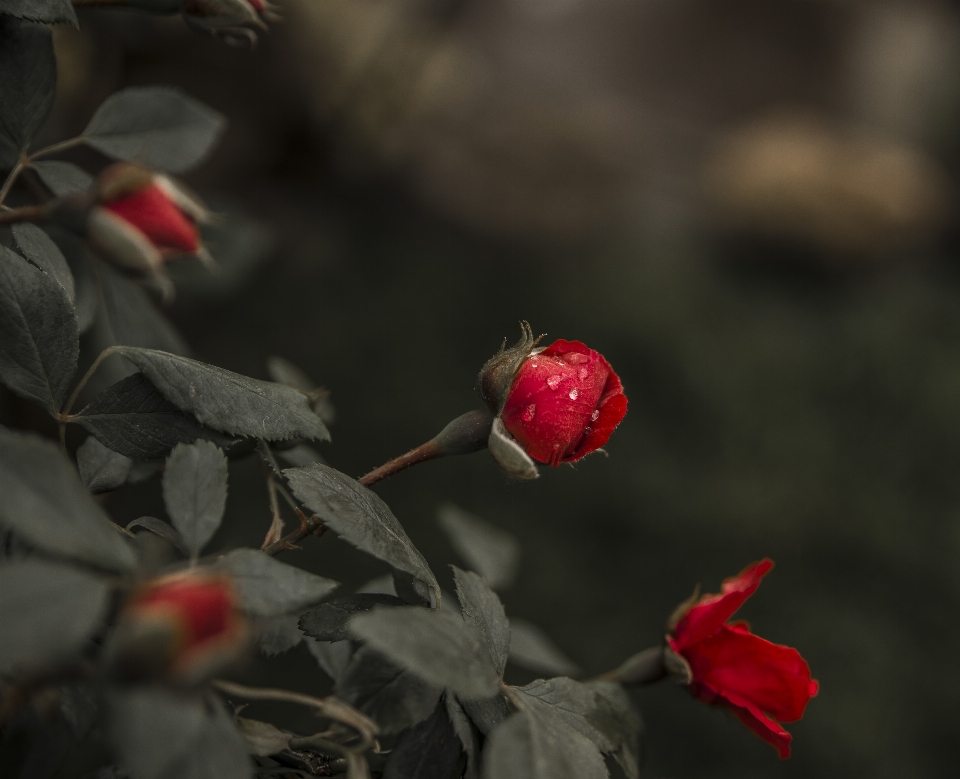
x,y
564,403
142,218
184,626
758,681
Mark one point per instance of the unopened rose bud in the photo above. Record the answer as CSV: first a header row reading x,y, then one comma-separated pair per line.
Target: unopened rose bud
x,y
141,218
557,404
183,628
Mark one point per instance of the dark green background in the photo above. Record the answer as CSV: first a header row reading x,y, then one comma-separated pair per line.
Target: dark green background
x,y
775,410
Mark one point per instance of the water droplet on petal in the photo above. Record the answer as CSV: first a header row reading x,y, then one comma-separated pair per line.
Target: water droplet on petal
x,y
554,381
595,415
586,431
574,393
582,374
529,412
575,358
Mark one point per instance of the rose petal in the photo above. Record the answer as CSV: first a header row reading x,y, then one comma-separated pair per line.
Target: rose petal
x,y
152,212
711,611
773,678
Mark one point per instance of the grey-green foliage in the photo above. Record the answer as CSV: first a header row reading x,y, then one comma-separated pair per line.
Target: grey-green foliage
x,y
436,645
39,342
428,750
488,550
328,622
133,418
101,469
48,11
268,587
525,747
28,83
166,734
361,518
532,648
155,126
195,491
39,248
63,178
44,502
394,697
482,608
47,612
227,401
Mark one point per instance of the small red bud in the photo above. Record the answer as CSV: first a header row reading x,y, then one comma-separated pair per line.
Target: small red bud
x,y
183,627
559,403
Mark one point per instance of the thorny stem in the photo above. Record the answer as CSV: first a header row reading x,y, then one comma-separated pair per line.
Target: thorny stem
x,y
25,214
12,176
308,527
650,665
276,521
330,707
423,453
53,148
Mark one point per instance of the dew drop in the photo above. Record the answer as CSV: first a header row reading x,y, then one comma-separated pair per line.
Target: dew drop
x,y
575,358
554,381
574,393
595,415
586,431
529,412
582,374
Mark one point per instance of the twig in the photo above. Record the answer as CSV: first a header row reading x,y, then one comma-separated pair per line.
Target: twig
x,y
308,527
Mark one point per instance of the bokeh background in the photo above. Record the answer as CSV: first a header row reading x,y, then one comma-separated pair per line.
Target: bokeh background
x,y
747,206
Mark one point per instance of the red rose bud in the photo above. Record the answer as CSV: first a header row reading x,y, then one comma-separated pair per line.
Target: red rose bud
x,y
142,218
559,403
184,627
727,665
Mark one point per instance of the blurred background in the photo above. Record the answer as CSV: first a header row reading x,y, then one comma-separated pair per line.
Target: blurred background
x,y
747,206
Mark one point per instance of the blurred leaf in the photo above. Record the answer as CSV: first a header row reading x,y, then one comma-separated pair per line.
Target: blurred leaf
x,y
29,79
332,656
428,750
262,738
268,587
276,635
160,528
39,248
437,645
487,713
467,733
39,344
378,585
531,648
393,697
128,316
86,287
565,704
411,590
47,612
157,127
487,549
134,419
300,455
329,621
524,747
163,734
616,718
43,501
63,178
101,469
48,11
285,372
195,491
481,607
228,401
360,517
